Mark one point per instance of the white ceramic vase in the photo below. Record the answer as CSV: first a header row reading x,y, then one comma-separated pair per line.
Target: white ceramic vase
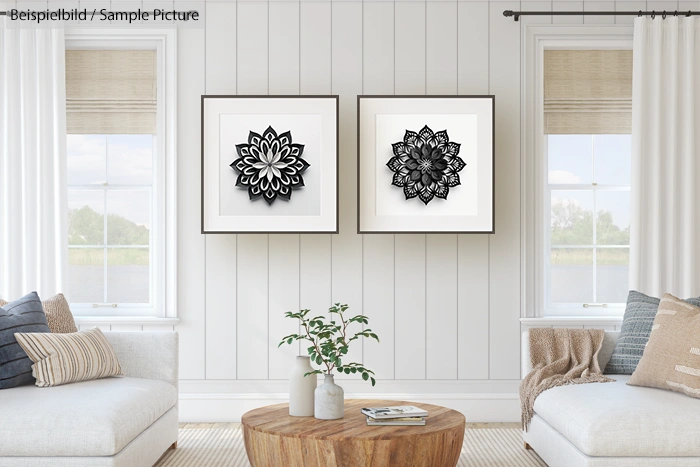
x,y
329,400
301,389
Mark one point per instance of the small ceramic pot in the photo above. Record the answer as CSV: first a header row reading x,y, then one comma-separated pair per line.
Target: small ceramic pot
x,y
329,400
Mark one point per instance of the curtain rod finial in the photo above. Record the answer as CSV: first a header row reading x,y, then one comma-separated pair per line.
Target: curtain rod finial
x,y
511,13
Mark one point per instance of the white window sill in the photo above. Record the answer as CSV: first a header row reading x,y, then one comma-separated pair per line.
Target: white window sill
x,y
138,320
572,321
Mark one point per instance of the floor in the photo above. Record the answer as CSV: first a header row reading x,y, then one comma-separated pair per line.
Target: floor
x,y
222,445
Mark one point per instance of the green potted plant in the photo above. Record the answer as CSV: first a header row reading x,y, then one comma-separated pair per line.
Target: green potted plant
x,y
330,339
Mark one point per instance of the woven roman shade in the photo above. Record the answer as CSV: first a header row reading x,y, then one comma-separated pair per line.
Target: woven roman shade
x,y
111,91
587,91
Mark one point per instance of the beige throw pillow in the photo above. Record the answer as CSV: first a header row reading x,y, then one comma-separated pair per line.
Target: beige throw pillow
x,y
57,312
671,359
68,358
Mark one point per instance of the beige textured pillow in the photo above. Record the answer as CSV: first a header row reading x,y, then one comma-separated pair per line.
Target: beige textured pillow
x,y
68,358
671,359
57,312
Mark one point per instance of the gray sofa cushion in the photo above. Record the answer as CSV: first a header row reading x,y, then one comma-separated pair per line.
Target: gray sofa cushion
x,y
90,418
23,315
634,334
617,420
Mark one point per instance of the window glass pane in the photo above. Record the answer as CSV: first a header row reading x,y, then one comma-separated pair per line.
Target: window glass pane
x,y
571,279
128,275
86,159
572,217
613,218
570,159
86,217
612,275
128,219
130,159
613,159
86,275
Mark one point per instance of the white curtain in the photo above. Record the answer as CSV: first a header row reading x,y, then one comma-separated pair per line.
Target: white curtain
x,y
665,228
33,205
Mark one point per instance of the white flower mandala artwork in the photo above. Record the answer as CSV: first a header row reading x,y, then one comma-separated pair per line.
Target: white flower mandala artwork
x,y
270,166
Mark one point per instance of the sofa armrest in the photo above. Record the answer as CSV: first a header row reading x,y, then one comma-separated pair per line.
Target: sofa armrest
x,y
150,355
525,364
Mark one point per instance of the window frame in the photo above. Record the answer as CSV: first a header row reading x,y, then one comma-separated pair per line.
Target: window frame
x,y
163,247
535,242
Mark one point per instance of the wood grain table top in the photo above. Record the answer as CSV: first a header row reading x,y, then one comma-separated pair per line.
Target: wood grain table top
x,y
275,419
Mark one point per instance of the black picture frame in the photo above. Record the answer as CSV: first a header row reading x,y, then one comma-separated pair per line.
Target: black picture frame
x,y
204,98
492,97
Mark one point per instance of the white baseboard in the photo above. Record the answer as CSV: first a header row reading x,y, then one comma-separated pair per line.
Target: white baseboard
x,y
228,407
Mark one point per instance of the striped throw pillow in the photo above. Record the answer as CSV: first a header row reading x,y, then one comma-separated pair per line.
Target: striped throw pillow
x,y
671,359
23,315
634,335
58,314
68,358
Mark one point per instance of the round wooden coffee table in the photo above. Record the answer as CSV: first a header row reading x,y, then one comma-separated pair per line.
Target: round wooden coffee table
x,y
273,438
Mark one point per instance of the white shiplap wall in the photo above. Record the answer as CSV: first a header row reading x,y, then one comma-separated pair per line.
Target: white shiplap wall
x,y
407,284
445,328
446,306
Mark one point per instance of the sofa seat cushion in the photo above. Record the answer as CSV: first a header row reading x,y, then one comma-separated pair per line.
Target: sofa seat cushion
x,y
90,418
617,420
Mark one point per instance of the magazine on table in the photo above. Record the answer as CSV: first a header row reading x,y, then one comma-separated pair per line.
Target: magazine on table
x,y
401,411
412,421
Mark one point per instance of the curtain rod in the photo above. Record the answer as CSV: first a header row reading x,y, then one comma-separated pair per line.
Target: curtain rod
x,y
517,14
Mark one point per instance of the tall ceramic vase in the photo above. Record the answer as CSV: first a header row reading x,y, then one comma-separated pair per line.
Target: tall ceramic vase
x,y
301,389
329,400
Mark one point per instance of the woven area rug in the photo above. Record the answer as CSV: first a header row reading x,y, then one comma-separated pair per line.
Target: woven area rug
x,y
223,447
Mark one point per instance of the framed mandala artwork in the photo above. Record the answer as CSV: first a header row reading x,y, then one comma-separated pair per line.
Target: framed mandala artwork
x,y
426,164
269,164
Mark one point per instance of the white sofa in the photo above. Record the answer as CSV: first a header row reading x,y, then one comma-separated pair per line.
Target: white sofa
x,y
125,421
613,424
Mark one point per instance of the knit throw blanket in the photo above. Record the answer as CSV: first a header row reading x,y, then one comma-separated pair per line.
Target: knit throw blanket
x,y
560,357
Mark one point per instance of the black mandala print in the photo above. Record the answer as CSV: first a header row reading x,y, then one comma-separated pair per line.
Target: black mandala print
x,y
425,164
270,165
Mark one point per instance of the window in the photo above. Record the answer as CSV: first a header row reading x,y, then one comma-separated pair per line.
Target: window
x,y
588,202
121,173
110,218
586,155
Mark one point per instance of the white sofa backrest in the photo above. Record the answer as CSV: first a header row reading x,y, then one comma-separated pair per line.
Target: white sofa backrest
x,y
150,355
603,356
